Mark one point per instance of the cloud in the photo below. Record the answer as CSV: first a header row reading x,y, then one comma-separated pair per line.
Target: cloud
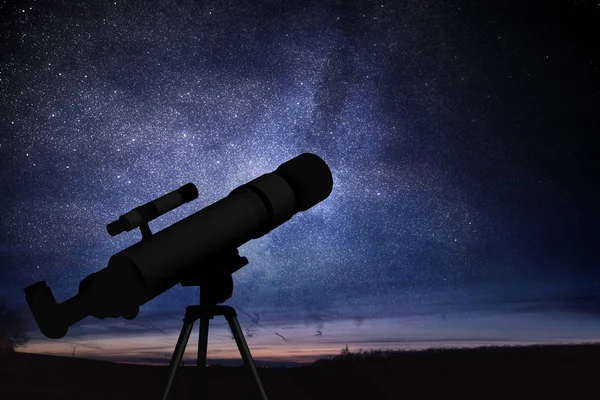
x,y
281,336
586,304
317,319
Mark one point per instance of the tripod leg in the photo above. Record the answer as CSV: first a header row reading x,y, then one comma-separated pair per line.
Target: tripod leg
x,y
201,362
203,342
184,336
245,352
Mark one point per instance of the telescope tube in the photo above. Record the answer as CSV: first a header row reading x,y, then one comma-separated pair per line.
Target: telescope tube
x,y
146,269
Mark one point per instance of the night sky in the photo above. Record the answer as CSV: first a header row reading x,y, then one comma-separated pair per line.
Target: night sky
x,y
460,136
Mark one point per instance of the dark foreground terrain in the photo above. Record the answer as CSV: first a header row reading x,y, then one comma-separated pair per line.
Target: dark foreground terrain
x,y
571,372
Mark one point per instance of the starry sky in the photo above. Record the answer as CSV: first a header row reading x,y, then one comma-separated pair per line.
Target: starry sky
x,y
459,135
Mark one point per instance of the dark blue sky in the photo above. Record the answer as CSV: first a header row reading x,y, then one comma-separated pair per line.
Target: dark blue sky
x,y
458,134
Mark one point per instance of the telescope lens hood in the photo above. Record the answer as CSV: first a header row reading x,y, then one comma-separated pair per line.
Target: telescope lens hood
x,y
309,177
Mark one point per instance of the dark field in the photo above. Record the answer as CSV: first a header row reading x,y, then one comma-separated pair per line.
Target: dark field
x,y
538,372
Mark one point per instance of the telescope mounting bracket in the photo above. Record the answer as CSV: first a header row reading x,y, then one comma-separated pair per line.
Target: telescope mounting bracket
x,y
145,230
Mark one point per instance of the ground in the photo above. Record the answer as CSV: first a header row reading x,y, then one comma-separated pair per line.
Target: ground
x,y
500,372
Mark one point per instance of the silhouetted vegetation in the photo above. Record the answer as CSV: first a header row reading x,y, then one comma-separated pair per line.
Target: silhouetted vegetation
x,y
564,352
13,329
498,372
558,370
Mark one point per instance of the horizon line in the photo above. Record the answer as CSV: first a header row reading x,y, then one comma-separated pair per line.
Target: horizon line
x,y
154,360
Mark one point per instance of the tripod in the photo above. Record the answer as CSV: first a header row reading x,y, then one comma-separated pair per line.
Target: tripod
x,y
215,288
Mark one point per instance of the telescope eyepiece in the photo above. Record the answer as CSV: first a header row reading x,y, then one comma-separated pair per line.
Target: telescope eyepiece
x,y
45,310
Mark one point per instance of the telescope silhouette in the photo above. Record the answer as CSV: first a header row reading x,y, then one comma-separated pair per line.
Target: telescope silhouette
x,y
199,250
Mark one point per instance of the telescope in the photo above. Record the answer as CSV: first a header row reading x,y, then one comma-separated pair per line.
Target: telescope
x,y
200,250
189,251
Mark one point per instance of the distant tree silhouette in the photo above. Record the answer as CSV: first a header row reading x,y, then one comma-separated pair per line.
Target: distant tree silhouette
x,y
345,352
13,329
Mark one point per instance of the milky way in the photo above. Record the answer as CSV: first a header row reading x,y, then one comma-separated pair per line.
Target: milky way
x,y
453,176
